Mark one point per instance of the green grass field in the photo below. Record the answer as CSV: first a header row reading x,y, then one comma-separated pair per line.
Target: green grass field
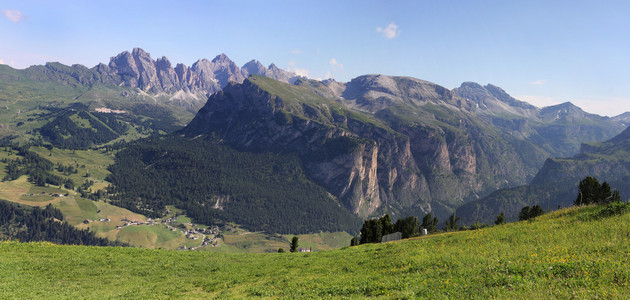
x,y
566,254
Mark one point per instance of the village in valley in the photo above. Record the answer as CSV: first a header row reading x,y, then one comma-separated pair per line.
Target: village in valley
x,y
176,223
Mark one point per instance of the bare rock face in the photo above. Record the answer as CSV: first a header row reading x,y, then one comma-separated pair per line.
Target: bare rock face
x,y
138,70
124,66
168,79
254,67
147,73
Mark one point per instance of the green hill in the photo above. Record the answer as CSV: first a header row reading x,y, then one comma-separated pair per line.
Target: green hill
x,y
572,253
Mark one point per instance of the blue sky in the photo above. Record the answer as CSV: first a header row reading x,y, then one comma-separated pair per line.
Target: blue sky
x,y
543,52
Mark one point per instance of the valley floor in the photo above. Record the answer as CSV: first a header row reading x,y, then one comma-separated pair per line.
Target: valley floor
x,y
568,253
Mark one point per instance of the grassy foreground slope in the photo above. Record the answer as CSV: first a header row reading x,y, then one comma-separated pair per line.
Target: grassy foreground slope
x,y
563,254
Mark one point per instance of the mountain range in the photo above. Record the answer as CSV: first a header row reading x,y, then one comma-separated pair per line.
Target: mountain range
x,y
137,69
378,144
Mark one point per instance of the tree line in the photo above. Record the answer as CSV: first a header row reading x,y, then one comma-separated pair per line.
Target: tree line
x,y
374,229
35,224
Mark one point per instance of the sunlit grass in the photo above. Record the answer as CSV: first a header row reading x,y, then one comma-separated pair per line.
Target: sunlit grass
x,y
562,255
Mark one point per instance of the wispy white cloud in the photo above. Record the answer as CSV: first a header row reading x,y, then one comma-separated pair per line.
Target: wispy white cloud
x,y
1,61
389,32
538,82
335,64
296,51
14,15
298,71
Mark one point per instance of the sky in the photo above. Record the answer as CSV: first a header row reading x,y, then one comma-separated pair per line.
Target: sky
x,y
542,52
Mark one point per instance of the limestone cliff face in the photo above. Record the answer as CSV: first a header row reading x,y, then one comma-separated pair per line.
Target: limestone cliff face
x,y
365,166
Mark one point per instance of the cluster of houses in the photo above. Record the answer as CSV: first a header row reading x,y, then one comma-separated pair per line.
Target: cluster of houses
x,y
44,193
87,221
130,223
208,236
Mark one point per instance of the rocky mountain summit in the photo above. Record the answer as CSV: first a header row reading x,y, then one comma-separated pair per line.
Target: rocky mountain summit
x,y
138,69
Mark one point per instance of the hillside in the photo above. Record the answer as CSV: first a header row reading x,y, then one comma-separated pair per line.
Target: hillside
x,y
555,184
569,253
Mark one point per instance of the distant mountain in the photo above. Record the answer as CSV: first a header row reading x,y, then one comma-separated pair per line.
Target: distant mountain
x,y
137,69
555,185
558,129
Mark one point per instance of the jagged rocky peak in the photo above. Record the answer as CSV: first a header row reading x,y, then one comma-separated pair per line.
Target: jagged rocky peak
x,y
163,63
491,99
254,67
222,59
124,64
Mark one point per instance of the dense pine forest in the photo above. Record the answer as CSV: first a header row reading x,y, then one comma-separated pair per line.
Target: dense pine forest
x,y
80,130
215,183
35,224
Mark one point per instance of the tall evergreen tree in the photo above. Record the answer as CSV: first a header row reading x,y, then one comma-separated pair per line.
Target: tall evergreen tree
x,y
451,223
616,197
430,223
294,244
408,227
500,218
590,191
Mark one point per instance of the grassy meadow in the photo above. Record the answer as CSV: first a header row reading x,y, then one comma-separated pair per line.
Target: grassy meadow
x,y
565,254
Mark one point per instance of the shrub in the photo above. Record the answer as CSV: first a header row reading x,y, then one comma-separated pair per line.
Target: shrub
x,y
614,208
